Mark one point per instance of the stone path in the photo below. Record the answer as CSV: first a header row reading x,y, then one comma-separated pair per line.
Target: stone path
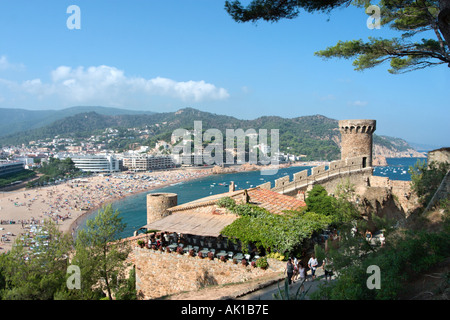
x,y
259,289
269,292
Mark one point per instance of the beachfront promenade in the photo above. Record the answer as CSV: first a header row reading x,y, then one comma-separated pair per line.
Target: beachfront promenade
x,y
67,202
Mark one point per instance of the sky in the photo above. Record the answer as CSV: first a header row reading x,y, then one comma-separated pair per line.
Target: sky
x,y
166,55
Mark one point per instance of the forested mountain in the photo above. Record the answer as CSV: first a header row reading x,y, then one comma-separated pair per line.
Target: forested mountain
x,y
16,120
315,136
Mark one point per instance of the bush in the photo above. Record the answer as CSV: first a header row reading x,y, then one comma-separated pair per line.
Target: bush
x,y
244,262
276,255
210,255
262,263
226,202
180,250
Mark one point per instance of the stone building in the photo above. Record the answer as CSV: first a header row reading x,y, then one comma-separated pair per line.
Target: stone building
x,y
357,139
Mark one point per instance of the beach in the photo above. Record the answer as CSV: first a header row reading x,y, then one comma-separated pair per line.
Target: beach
x,y
23,210
68,203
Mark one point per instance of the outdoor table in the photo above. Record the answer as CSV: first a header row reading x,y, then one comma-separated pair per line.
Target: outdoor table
x,y
220,254
204,252
172,247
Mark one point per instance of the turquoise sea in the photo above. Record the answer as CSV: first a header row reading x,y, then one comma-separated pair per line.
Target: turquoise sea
x,y
133,208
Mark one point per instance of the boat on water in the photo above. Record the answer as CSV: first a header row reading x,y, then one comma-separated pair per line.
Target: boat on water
x,y
224,184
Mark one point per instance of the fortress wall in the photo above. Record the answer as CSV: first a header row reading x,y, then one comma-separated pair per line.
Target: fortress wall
x,y
302,175
266,185
281,181
317,170
319,173
159,273
376,181
359,179
335,165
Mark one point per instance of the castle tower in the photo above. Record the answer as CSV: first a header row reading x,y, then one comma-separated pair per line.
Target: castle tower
x,y
157,205
357,139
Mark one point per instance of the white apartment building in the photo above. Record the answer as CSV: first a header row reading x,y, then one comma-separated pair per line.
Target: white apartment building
x,y
96,163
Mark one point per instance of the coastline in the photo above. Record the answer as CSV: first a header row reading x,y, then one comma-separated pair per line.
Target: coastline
x,y
71,202
210,171
75,224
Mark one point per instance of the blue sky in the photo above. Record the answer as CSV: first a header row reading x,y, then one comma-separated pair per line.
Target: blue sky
x,y
166,55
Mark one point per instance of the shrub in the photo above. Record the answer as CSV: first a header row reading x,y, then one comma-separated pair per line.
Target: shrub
x,y
179,250
226,202
191,253
276,255
210,255
223,258
200,255
262,263
244,262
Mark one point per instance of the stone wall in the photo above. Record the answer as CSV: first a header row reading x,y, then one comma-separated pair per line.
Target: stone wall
x,y
160,273
352,168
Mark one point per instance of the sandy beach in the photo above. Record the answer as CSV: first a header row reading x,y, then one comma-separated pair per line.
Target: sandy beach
x,y
23,210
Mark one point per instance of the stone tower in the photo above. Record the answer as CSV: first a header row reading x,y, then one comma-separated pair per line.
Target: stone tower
x,y
357,139
157,205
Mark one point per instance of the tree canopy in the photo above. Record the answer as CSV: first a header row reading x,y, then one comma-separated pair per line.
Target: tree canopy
x,y
409,17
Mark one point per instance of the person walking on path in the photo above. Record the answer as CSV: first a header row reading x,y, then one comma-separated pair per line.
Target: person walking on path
x,y
312,264
327,267
289,270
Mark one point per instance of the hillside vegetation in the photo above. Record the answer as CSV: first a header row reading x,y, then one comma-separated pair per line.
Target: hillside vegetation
x,y
317,137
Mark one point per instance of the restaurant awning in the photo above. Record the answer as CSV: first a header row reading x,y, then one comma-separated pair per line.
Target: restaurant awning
x,y
201,224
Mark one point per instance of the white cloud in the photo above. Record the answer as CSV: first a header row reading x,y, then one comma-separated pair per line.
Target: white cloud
x,y
107,85
358,103
5,64
328,97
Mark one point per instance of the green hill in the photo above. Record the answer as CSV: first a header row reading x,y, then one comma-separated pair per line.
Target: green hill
x,y
17,120
315,136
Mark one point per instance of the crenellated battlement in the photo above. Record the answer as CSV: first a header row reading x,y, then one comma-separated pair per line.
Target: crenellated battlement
x,y
302,179
357,126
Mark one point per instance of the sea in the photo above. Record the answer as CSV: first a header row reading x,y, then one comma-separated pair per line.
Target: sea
x,y
133,209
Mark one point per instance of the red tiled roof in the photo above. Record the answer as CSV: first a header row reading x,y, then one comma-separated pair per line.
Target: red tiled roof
x,y
272,201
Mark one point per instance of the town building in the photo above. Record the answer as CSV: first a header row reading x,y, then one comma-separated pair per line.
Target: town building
x,y
9,167
96,163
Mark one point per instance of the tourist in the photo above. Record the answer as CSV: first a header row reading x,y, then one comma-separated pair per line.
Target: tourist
x,y
295,275
289,270
327,267
301,271
382,239
312,264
